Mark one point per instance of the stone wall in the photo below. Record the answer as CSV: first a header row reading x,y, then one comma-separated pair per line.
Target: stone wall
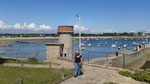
x,y
66,39
53,52
127,59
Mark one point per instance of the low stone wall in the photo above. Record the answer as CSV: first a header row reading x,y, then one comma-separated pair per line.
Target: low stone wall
x,y
127,58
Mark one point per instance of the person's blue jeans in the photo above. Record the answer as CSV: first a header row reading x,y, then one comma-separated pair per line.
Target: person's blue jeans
x,y
77,69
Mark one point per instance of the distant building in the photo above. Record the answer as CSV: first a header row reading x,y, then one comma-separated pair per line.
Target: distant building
x,y
140,34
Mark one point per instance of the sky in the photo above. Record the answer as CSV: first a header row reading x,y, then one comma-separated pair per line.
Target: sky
x,y
97,16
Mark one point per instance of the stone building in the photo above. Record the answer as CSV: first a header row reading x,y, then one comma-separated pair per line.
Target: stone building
x,y
62,48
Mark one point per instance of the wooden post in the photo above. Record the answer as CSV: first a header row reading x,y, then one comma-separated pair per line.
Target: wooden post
x,y
22,63
20,81
124,61
49,63
62,73
16,57
107,61
88,56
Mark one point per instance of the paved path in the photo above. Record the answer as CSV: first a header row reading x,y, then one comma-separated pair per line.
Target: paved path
x,y
96,75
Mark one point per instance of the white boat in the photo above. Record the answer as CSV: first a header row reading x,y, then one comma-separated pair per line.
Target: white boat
x,y
119,48
134,43
89,44
106,43
99,45
83,48
82,44
116,43
125,46
113,46
143,42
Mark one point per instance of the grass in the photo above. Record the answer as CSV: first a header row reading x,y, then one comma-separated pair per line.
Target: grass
x,y
110,83
25,62
4,45
10,75
28,62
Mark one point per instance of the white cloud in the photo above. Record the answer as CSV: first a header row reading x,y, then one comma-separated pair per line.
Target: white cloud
x,y
17,26
25,25
31,27
86,30
4,26
45,27
1,24
82,28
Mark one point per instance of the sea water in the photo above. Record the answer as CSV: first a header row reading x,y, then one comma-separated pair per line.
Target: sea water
x,y
28,50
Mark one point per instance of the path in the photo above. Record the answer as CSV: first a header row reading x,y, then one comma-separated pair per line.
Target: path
x,y
96,75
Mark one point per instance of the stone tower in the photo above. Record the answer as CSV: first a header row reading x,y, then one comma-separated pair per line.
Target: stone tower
x,y
65,37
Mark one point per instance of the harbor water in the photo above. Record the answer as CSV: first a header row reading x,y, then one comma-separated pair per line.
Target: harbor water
x,y
97,47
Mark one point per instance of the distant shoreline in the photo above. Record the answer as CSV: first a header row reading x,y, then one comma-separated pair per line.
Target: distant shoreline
x,y
20,38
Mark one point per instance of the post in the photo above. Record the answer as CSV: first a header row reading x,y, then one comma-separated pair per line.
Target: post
x,y
124,61
107,61
79,34
62,73
20,81
116,53
22,63
50,65
88,56
16,57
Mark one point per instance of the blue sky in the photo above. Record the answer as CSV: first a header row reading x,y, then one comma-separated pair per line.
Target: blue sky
x,y
97,16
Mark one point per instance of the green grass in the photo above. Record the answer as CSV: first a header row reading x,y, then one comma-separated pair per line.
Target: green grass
x,y
25,62
28,62
110,83
10,75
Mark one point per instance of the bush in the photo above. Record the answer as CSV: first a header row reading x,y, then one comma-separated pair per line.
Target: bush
x,y
125,73
33,60
141,76
138,75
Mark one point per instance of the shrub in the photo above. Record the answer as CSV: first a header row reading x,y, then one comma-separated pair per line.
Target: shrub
x,y
125,73
138,75
141,76
33,60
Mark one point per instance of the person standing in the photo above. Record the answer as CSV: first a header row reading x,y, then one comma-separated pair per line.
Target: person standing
x,y
77,64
